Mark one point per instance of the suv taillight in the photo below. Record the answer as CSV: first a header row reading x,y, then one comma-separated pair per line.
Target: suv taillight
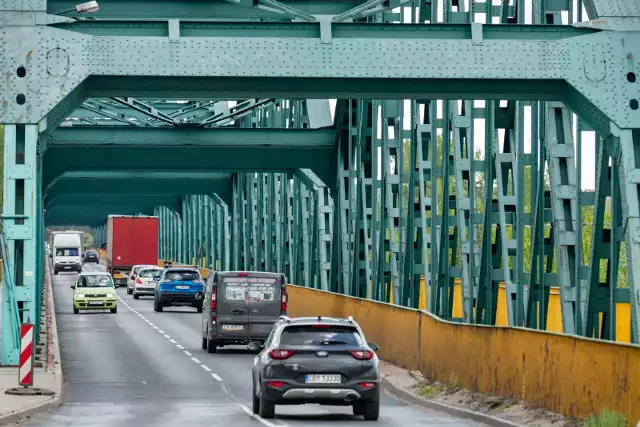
x,y
280,354
213,299
283,301
361,354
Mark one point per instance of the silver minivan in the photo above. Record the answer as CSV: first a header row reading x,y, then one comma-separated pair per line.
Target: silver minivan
x,y
240,307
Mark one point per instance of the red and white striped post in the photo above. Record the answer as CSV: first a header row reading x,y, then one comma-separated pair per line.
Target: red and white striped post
x,y
25,372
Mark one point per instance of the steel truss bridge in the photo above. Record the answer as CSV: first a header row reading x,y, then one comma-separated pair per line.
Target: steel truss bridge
x,y
452,149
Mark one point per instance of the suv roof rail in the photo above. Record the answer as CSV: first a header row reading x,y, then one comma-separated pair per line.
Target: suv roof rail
x,y
285,318
350,319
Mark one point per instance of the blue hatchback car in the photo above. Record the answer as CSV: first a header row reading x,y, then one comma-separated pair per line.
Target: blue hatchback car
x,y
179,287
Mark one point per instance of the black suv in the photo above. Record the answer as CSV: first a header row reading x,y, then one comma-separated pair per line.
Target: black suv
x,y
91,256
319,360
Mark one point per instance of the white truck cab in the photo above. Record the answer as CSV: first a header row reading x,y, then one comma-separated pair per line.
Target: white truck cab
x,y
67,252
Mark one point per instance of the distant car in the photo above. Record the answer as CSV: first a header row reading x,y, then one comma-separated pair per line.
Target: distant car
x,y
146,281
179,287
133,275
94,291
91,256
318,360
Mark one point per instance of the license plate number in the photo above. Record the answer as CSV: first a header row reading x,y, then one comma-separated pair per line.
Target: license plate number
x,y
67,267
323,379
232,327
96,303
182,287
118,276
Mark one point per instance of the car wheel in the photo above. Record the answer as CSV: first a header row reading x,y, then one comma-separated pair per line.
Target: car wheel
x,y
75,310
199,309
55,271
136,296
157,307
114,309
372,410
212,346
129,291
204,343
256,401
358,409
267,409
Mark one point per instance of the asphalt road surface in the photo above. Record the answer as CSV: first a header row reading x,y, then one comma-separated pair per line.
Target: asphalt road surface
x,y
139,368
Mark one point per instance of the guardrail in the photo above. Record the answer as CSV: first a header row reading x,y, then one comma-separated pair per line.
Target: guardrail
x,y
570,375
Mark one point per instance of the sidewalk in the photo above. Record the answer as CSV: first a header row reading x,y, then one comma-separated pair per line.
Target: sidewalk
x,y
16,407
12,408
493,411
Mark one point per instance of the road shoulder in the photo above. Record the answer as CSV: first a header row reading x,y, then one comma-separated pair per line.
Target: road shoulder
x,y
494,411
17,409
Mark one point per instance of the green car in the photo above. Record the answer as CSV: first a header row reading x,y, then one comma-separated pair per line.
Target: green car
x,y
94,291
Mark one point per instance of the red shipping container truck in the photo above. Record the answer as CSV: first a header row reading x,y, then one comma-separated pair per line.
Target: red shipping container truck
x,y
131,240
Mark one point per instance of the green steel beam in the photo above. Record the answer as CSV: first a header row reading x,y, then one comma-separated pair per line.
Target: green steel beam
x,y
214,137
214,9
84,199
188,159
22,230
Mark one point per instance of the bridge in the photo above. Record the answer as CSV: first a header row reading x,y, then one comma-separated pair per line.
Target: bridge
x,y
475,163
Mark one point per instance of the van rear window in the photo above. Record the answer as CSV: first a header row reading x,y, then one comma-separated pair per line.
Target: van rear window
x,y
250,289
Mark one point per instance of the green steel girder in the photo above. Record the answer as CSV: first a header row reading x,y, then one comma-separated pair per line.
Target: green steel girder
x,y
117,199
308,139
65,215
138,186
60,159
196,10
406,73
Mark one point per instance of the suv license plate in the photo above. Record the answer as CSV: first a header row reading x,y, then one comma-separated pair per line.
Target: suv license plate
x,y
323,379
232,327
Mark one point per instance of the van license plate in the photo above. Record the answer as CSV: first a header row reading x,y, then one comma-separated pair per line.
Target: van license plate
x,y
323,379
232,327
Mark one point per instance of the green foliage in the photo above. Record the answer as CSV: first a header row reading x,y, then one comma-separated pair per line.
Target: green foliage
x,y
88,240
607,418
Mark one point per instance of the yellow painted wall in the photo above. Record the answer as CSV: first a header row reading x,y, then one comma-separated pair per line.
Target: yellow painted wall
x,y
554,316
570,375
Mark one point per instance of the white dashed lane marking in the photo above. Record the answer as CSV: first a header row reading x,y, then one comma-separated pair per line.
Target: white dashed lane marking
x,y
186,352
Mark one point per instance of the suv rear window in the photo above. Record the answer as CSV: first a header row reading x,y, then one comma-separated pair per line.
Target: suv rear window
x,y
155,274
182,276
250,289
320,335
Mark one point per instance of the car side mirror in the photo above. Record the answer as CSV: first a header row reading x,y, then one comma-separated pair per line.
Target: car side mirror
x,y
254,346
73,286
373,346
131,277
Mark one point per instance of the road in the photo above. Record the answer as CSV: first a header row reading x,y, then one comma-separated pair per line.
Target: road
x,y
140,368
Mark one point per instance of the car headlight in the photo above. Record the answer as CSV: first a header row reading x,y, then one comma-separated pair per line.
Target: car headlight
x,y
80,296
111,296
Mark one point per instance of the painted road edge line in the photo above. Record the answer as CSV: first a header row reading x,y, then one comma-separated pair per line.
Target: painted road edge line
x,y
259,418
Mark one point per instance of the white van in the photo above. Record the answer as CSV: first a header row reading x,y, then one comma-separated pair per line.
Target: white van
x,y
67,252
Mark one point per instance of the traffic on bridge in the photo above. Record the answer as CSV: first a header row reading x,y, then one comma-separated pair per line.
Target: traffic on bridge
x,y
285,213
